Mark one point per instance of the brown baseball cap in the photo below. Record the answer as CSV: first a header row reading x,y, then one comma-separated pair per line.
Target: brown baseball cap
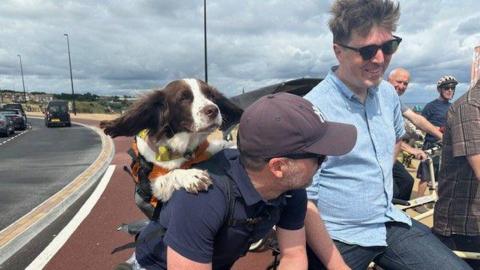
x,y
284,124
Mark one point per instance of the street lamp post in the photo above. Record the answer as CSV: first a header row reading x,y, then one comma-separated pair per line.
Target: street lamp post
x,y
23,81
71,76
205,36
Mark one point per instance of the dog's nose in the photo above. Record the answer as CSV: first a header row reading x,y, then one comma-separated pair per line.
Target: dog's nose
x,y
211,111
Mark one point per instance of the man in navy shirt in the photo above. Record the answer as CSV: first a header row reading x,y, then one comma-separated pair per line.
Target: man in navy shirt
x,y
436,110
282,141
436,113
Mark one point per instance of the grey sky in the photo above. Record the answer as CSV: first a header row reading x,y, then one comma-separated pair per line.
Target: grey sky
x,y
125,47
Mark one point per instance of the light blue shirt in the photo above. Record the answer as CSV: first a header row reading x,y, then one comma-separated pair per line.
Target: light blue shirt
x,y
354,192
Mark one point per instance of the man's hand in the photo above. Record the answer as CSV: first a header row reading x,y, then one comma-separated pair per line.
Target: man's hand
x,y
419,154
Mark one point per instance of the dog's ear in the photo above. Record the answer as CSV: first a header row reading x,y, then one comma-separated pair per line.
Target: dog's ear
x,y
150,112
231,113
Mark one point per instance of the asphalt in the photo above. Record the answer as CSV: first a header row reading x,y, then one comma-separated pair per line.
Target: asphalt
x,y
39,163
19,234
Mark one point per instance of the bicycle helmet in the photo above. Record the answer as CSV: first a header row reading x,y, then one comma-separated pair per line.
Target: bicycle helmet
x,y
447,79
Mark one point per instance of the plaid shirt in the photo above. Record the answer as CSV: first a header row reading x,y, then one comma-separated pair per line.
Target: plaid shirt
x,y
457,210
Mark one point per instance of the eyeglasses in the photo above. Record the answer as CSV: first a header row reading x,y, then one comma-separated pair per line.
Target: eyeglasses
x,y
320,158
448,87
369,51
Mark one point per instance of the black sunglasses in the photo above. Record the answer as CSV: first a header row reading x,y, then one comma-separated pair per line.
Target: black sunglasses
x,y
448,87
320,158
368,52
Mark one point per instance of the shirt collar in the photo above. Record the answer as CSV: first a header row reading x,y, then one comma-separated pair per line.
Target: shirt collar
x,y
240,177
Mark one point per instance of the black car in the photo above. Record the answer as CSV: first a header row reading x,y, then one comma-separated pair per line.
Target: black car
x,y
19,121
16,106
56,114
6,126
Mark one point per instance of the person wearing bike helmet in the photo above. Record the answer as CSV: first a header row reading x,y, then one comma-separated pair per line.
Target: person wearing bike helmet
x,y
436,113
436,110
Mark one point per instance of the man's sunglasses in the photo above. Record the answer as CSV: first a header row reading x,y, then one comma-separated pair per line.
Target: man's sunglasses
x,y
368,52
320,158
448,87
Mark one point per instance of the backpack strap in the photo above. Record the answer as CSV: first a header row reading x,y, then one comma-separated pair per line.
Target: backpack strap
x,y
157,209
216,165
230,202
140,169
231,199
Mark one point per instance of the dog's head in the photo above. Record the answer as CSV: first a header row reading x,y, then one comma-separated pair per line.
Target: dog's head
x,y
187,105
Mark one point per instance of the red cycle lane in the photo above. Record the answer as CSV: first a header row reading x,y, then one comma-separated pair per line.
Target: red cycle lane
x,y
96,244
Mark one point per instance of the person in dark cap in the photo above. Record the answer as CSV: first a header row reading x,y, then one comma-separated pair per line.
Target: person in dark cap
x,y
282,141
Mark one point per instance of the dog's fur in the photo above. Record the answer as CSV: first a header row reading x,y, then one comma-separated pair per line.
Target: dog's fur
x,y
180,117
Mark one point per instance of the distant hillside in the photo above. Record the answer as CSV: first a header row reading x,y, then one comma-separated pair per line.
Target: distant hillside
x,y
84,103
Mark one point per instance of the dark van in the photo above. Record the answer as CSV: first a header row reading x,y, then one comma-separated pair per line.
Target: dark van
x,y
56,114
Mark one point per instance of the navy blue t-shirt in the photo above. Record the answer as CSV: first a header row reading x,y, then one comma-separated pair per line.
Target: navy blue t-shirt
x,y
436,113
195,223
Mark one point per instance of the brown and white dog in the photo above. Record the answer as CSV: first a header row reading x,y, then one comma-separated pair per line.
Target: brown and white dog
x,y
178,118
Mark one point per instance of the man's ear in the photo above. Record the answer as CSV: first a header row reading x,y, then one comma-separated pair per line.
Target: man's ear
x,y
277,167
337,50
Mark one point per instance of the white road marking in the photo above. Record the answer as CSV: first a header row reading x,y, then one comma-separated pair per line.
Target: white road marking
x,y
48,253
11,138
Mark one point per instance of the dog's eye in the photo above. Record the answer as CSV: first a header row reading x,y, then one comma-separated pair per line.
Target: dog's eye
x,y
209,95
185,96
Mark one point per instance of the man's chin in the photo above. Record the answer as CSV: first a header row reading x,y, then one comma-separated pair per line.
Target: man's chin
x,y
306,184
369,83
400,92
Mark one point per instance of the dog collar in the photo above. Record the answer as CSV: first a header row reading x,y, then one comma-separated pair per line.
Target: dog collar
x,y
164,153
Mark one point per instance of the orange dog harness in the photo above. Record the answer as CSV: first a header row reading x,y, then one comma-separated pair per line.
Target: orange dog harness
x,y
151,170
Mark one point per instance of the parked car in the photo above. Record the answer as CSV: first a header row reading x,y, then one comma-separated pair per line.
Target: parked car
x,y
6,126
19,121
16,106
56,114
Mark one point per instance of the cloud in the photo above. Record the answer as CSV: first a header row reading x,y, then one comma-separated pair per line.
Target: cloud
x,y
469,26
122,47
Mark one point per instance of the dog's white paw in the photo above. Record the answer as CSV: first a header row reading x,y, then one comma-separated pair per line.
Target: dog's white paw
x,y
193,180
